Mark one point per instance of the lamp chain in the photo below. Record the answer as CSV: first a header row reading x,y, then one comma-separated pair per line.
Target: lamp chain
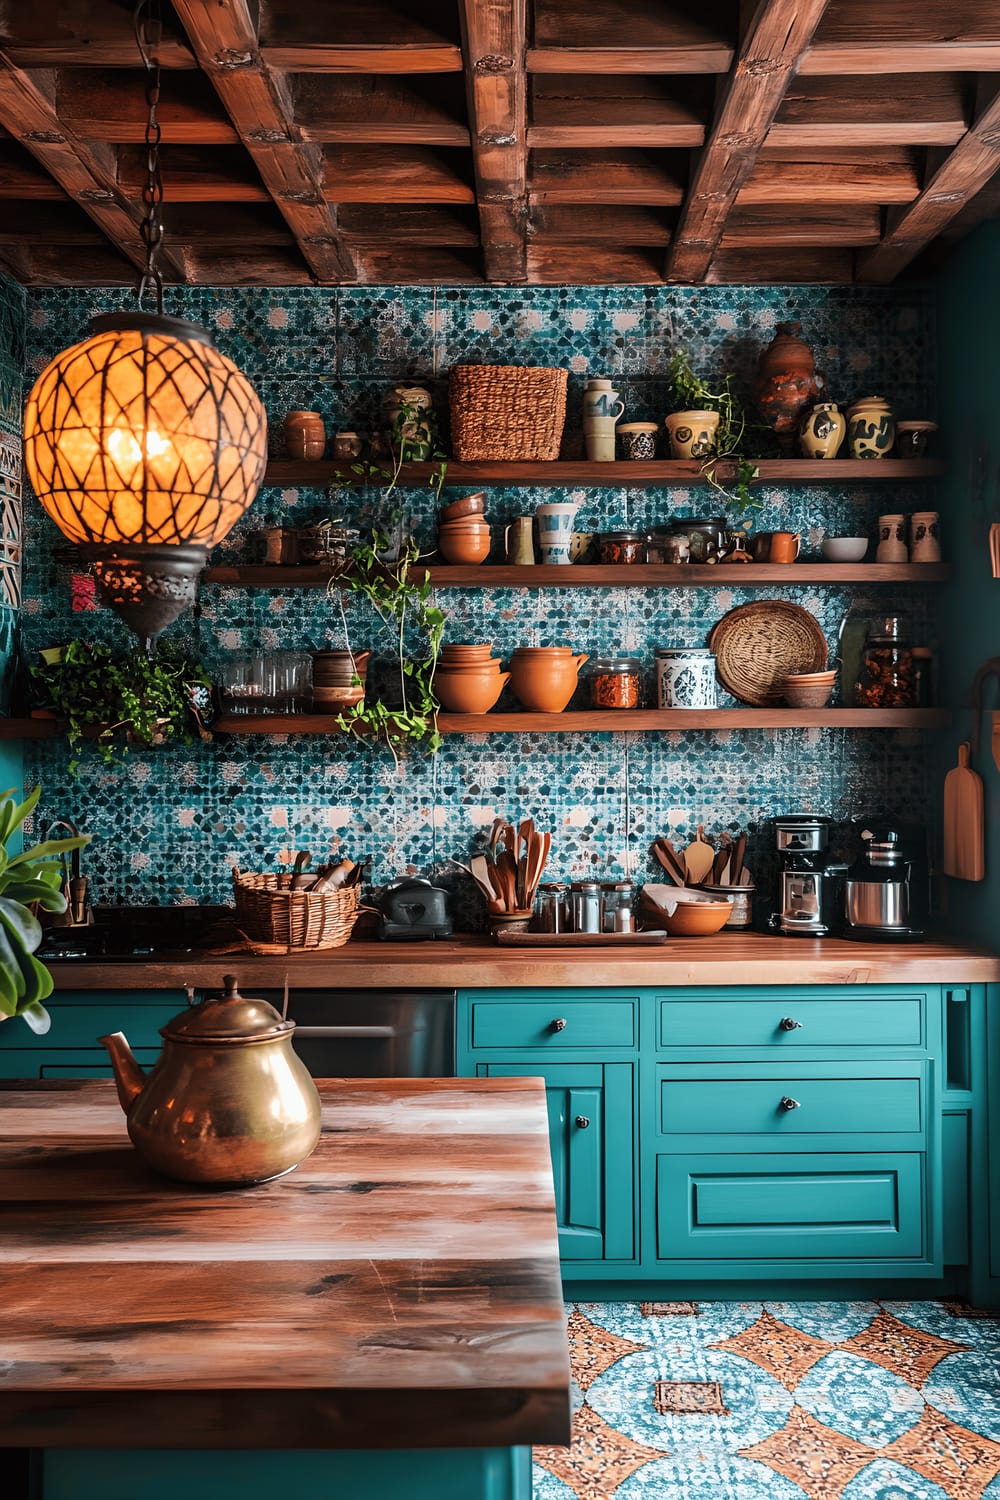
x,y
148,35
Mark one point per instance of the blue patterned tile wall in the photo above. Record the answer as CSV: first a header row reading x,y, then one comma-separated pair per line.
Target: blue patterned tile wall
x,y
168,825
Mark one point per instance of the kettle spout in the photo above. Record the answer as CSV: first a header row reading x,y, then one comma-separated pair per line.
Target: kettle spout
x,y
129,1077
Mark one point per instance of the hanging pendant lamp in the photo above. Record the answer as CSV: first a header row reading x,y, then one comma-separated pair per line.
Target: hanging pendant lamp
x,y
144,443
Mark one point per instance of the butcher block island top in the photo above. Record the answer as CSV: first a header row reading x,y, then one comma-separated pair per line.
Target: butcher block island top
x,y
472,962
399,1289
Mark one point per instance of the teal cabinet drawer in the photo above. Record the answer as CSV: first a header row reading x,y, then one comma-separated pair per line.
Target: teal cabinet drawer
x,y
554,1023
78,1062
810,1207
788,1101
79,1019
793,1021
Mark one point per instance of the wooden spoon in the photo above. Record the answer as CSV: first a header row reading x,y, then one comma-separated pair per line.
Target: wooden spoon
x,y
699,857
667,856
736,869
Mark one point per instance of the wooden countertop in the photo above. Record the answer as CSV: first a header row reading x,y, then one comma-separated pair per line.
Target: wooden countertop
x,y
398,1289
475,963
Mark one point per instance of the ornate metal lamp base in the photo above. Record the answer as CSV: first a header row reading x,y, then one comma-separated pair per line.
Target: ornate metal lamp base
x,y
148,585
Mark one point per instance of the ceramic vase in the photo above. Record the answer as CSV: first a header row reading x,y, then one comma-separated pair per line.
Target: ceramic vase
x,y
692,433
822,431
871,430
786,383
601,402
685,677
891,539
924,544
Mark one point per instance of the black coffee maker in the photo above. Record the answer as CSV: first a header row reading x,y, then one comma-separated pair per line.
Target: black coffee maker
x,y
808,900
885,893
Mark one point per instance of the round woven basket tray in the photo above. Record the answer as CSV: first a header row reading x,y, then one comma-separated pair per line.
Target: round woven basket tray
x,y
277,919
757,645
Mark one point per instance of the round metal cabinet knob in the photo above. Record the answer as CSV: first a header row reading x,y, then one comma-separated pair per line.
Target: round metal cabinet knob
x,y
559,1024
787,1024
788,1103
582,1122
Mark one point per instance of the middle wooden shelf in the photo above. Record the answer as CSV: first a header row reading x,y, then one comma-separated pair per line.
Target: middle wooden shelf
x,y
580,575
618,719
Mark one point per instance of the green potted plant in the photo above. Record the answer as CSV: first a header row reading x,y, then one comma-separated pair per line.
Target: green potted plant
x,y
28,880
123,699
711,426
401,600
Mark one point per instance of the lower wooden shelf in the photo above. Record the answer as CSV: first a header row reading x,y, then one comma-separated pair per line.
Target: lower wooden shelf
x,y
599,575
619,719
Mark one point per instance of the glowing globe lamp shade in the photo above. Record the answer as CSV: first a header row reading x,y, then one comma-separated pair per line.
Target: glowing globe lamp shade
x,y
145,445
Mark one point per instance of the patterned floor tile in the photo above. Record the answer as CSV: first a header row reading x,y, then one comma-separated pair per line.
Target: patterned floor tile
x,y
872,1406
961,1461
820,1461
909,1352
783,1351
599,1460
592,1350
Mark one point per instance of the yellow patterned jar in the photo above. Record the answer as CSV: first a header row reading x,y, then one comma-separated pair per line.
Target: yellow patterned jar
x,y
822,431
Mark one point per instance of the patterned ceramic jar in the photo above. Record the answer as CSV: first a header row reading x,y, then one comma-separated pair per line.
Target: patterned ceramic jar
x,y
871,428
891,539
924,544
685,677
692,433
822,431
637,439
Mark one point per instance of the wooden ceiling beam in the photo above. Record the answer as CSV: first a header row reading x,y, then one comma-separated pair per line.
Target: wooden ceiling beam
x,y
957,180
92,33
85,171
258,101
830,177
101,104
902,111
776,37
597,266
494,41
619,176
400,174
599,225
776,266
818,226
573,113
381,111
624,36
360,36
937,36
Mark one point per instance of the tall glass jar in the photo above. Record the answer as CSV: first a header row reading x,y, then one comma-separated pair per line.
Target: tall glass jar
x,y
886,678
552,908
588,906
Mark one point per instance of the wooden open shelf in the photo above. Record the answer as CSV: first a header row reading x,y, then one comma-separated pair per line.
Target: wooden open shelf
x,y
637,575
618,719
627,475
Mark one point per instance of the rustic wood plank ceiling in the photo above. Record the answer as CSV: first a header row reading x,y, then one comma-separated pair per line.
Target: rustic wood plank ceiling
x,y
510,141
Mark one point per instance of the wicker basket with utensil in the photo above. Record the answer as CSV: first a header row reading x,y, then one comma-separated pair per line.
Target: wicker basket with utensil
x,y
271,913
506,412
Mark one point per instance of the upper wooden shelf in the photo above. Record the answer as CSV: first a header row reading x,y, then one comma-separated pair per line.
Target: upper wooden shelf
x,y
578,575
629,475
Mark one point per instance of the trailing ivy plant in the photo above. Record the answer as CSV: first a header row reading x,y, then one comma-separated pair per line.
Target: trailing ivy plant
x,y
123,699
29,881
401,598
692,393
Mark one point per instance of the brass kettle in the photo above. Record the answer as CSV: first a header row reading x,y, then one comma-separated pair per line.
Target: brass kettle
x,y
228,1100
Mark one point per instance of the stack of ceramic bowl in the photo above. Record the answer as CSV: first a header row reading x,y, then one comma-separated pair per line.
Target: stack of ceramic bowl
x,y
468,679
335,687
808,689
463,531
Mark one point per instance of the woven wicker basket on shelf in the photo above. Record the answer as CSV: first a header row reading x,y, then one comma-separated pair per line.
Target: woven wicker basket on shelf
x,y
503,412
270,913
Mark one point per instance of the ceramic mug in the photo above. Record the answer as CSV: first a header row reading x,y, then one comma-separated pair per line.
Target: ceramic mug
x,y
784,546
555,531
600,401
519,541
599,438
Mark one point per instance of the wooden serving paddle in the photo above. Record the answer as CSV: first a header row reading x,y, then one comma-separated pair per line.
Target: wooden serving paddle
x,y
963,820
699,857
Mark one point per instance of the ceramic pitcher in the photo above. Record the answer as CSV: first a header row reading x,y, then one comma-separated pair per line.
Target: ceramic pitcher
x,y
601,401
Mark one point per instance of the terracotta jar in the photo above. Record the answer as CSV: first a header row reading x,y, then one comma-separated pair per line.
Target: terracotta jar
x,y
822,431
786,383
545,677
305,435
334,685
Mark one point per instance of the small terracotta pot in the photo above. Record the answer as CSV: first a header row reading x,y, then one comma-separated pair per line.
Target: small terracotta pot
x,y
545,678
469,505
305,435
337,668
469,692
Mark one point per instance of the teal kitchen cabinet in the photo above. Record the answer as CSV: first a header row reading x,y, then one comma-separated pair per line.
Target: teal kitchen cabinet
x,y
70,1049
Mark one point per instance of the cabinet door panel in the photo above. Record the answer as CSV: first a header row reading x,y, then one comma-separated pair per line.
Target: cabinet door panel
x,y
818,1207
791,1101
810,1021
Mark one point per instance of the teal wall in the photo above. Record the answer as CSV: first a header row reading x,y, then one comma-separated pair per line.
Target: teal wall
x,y
969,337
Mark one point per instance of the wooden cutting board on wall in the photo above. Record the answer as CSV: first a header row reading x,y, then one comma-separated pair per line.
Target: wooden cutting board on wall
x,y
963,820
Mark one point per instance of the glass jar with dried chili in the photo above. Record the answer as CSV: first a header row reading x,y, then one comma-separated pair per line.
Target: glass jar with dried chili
x,y
887,678
615,682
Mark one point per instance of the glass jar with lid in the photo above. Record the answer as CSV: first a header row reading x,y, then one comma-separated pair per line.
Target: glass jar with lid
x,y
615,681
588,906
619,906
552,907
886,678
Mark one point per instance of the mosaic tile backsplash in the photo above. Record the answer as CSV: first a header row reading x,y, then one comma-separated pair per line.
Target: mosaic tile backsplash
x,y
167,825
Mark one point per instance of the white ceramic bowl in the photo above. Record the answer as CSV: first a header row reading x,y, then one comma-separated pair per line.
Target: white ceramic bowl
x,y
844,548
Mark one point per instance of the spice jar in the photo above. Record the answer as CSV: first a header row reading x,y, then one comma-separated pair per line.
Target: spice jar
x,y
707,536
552,908
621,546
588,906
614,682
886,679
619,906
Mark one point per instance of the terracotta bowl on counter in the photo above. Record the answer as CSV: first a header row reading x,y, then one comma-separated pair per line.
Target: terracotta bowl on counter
x,y
686,913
